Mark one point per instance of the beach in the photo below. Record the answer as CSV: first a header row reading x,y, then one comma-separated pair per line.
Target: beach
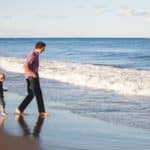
x,y
75,75
65,130
96,95
9,142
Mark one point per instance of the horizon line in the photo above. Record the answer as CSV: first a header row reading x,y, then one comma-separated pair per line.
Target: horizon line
x,y
70,37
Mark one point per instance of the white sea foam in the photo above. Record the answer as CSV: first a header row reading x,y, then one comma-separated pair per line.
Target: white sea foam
x,y
124,81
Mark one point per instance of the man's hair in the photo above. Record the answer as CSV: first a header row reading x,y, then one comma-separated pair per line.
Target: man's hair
x,y
40,44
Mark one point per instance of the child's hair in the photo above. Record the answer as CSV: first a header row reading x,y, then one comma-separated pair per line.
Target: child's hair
x,y
2,75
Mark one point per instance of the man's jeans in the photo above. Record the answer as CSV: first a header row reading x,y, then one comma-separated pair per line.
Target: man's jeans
x,y
33,89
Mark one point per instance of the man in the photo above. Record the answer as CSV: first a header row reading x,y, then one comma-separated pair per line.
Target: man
x,y
31,67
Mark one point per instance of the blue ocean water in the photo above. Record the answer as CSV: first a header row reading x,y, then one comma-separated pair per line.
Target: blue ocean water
x,y
109,78
118,52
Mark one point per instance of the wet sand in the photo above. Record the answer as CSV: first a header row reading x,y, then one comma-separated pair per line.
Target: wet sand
x,y
64,130
9,142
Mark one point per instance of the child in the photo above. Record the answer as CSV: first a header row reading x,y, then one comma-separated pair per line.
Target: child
x,y
2,102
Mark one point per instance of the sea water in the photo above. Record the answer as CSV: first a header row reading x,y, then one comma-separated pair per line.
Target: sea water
x,y
104,78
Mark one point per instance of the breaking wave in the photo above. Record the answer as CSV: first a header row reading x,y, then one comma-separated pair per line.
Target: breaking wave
x,y
123,81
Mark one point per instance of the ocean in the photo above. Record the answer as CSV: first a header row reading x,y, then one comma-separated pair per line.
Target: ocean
x,y
117,52
104,78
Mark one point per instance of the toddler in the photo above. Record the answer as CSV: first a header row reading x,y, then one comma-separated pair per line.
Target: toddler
x,y
2,102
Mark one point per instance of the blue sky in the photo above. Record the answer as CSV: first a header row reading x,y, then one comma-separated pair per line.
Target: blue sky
x,y
75,18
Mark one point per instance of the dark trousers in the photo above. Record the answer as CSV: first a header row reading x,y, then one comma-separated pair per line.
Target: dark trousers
x,y
33,89
2,102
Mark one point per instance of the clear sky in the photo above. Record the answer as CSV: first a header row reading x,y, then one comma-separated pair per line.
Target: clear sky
x,y
74,18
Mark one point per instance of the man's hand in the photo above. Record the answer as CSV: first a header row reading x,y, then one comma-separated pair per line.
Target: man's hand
x,y
5,90
34,75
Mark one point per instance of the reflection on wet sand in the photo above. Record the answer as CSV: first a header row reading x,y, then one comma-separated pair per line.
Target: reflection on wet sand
x,y
25,128
9,142
2,120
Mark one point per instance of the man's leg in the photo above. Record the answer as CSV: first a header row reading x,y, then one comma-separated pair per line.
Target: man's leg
x,y
39,96
29,97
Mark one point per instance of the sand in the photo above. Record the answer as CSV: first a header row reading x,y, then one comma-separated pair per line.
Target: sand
x,y
9,142
64,130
